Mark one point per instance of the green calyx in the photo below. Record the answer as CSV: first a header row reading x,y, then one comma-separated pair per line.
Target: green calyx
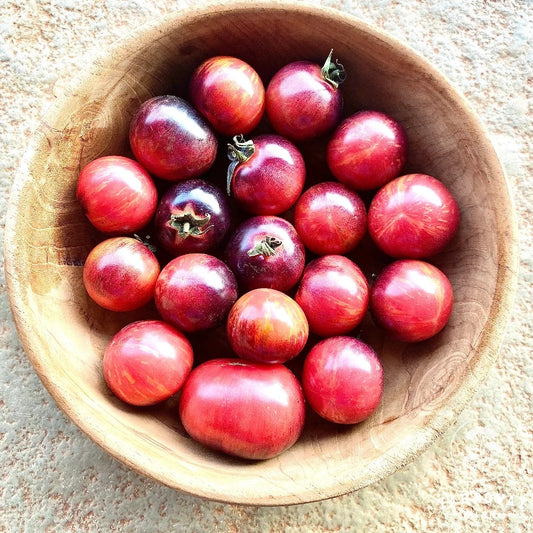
x,y
333,72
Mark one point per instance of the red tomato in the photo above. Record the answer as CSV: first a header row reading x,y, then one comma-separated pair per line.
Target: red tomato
x,y
413,216
117,194
367,150
342,379
229,93
120,274
411,299
330,218
267,326
146,362
245,409
333,294
195,292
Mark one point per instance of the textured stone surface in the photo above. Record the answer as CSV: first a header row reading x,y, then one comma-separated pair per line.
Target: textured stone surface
x,y
476,478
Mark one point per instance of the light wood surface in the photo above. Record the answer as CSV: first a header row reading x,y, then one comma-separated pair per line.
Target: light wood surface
x,y
426,385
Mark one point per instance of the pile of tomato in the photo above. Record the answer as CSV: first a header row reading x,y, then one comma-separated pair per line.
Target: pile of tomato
x,y
267,258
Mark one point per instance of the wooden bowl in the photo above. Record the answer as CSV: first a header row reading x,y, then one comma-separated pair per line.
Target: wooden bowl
x,y
426,384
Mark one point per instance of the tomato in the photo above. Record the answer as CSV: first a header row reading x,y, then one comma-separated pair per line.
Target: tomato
x,y
120,274
411,299
117,194
249,410
333,294
195,292
192,216
303,100
413,216
330,218
171,140
266,251
146,362
267,326
266,174
342,379
367,150
229,93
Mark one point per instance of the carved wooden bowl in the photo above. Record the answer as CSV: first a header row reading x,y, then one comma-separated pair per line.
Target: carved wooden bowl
x,y
426,384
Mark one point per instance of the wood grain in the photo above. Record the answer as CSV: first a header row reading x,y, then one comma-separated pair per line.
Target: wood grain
x,y
426,385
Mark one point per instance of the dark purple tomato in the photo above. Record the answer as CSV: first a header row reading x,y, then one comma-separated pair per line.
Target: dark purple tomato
x,y
195,292
171,140
413,216
330,218
333,294
192,216
266,174
266,251
229,93
367,150
117,194
303,100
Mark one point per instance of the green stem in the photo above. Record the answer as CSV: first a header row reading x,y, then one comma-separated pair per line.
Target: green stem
x,y
266,247
189,224
239,152
333,72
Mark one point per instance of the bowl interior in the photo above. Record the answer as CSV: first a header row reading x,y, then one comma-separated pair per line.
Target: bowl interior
x,y
64,333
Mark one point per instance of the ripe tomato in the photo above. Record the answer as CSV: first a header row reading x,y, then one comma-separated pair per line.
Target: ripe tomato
x,y
411,299
195,292
266,251
192,216
303,100
413,216
330,218
229,93
249,410
266,174
367,150
342,379
146,362
120,274
267,326
171,140
117,194
333,294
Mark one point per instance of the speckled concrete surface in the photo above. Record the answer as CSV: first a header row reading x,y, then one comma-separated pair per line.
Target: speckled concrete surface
x,y
476,478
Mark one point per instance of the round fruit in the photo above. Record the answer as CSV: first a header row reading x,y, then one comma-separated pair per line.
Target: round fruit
x,y
171,140
367,150
117,194
411,299
333,294
229,93
120,274
146,362
195,292
413,216
266,251
330,218
267,326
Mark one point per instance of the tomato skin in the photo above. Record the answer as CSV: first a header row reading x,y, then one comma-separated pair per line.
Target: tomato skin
x,y
146,362
245,409
330,218
342,379
277,165
117,194
367,150
195,292
229,93
171,140
413,216
120,274
253,270
267,326
411,299
333,294
300,104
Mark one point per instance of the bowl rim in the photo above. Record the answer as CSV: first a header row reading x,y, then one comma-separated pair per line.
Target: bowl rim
x,y
441,418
